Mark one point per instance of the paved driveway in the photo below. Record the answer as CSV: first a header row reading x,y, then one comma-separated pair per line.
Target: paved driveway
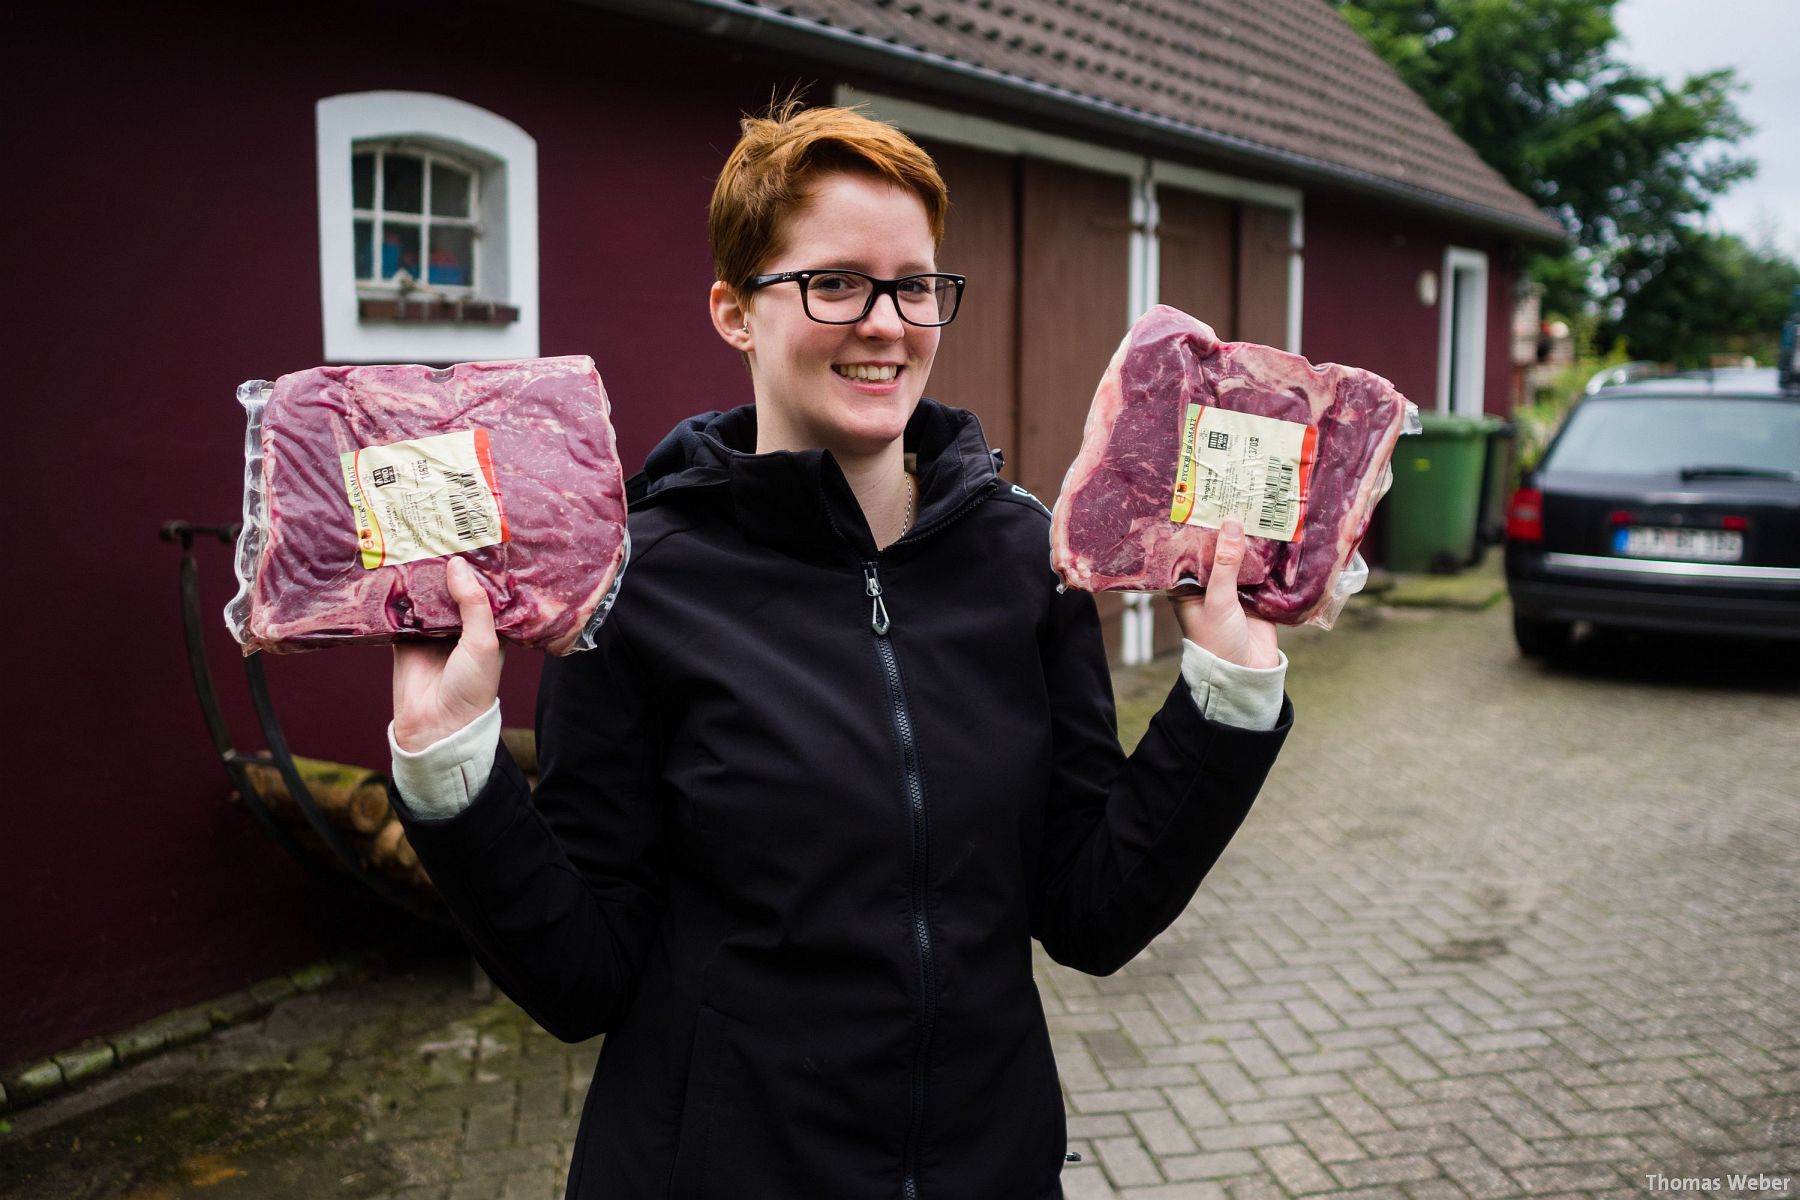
x,y
1493,930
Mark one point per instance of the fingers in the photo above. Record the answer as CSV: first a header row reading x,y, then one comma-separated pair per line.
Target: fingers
x,y
471,602
1228,556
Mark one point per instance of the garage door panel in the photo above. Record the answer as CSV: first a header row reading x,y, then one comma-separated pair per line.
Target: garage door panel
x,y
977,359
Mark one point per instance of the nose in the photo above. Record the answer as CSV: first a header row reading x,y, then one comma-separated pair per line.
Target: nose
x,y
883,319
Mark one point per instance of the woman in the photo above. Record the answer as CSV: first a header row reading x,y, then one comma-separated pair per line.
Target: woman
x,y
842,751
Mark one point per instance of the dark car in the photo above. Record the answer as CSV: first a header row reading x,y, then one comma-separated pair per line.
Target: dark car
x,y
1666,504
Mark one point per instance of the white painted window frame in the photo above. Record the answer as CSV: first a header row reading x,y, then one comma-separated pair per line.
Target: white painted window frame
x,y
1144,285
507,248
1471,381
429,155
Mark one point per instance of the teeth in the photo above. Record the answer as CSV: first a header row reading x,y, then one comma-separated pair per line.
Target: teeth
x,y
868,374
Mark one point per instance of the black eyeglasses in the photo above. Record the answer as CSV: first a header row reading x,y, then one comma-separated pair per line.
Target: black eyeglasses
x,y
845,297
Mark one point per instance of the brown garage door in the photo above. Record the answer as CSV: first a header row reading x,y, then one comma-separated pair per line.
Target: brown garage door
x,y
1226,263
1075,234
977,360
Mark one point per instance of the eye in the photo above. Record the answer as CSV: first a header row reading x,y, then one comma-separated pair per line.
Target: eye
x,y
916,288
831,285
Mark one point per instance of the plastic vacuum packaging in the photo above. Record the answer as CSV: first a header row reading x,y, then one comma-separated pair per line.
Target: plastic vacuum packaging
x,y
1186,430
361,482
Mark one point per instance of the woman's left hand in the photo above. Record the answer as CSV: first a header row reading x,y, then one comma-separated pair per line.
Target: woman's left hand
x,y
1215,620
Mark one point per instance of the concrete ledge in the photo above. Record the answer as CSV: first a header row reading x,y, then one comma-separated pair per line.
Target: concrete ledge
x,y
83,1061
27,1083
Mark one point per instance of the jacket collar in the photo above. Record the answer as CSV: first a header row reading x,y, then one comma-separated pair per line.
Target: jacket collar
x,y
801,496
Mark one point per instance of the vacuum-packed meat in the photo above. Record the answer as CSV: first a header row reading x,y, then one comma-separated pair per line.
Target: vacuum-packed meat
x,y
1185,428
360,482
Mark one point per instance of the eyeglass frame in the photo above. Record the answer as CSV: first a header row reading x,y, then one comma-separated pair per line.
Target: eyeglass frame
x,y
880,288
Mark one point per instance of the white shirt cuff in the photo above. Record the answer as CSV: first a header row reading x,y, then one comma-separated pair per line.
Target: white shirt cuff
x,y
445,777
1245,697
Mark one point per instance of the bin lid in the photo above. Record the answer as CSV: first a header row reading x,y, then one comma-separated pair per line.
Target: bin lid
x,y
1452,427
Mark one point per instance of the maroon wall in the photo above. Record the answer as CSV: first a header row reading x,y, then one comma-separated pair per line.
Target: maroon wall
x,y
1361,301
162,246
1361,304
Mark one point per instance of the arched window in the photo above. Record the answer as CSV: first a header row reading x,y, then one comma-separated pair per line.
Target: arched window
x,y
416,216
427,230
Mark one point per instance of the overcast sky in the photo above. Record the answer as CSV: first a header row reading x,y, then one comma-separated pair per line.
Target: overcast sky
x,y
1761,38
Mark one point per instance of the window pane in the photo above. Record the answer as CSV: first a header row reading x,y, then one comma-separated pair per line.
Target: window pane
x,y
452,254
362,180
1659,436
399,249
365,249
449,191
402,183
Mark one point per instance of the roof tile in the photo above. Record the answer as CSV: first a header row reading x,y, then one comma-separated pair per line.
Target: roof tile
x,y
1286,76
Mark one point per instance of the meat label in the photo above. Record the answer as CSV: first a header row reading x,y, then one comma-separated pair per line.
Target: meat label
x,y
424,498
1243,465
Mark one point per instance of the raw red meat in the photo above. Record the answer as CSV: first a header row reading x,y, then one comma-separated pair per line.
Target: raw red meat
x,y
1112,527
550,466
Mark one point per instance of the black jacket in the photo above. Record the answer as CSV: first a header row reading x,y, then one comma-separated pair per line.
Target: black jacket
x,y
801,812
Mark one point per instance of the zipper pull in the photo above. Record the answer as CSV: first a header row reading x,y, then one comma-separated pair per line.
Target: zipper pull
x,y
878,615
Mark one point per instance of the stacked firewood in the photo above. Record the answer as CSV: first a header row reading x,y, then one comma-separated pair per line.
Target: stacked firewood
x,y
355,802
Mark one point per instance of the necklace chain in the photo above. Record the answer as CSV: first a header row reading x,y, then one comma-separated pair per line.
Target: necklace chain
x,y
906,521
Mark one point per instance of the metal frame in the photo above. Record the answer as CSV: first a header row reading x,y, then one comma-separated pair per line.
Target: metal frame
x,y
279,757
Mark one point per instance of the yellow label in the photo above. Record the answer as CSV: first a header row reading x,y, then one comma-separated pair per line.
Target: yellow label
x,y
424,498
1255,468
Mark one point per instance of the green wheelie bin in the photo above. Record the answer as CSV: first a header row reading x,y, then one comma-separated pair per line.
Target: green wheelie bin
x,y
1436,502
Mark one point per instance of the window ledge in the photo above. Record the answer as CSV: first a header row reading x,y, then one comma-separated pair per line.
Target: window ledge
x,y
435,311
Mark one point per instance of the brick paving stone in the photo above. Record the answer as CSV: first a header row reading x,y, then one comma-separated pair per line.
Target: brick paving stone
x,y
1126,1161
1500,1143
1328,1140
1566,1179
1118,1100
1102,1125
1397,1169
1242,1137
1162,1132
1174,1191
1229,1083
1252,1187
1304,1085
1197,1106
1413,1141
1217,1165
1297,1170
1476,1174
1355,1113
1272,1110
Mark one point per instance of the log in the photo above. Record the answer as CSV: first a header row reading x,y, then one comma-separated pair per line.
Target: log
x,y
384,851
352,798
522,745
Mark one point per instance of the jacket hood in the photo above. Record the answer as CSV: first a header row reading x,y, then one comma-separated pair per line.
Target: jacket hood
x,y
801,495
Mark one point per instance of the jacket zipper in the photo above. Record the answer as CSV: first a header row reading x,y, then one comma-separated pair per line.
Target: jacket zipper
x,y
914,782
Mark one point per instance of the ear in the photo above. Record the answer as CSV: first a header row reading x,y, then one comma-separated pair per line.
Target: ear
x,y
731,317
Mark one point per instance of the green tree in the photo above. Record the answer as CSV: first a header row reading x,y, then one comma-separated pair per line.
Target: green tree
x,y
1627,162
1713,294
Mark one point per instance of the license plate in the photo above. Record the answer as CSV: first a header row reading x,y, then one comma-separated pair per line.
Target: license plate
x,y
1689,545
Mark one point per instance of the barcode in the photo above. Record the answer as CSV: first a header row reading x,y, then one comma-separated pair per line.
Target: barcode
x,y
1277,497
466,511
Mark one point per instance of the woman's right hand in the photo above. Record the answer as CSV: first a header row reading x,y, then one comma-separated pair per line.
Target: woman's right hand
x,y
439,687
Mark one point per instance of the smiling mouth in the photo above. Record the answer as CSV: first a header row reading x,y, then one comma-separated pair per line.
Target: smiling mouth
x,y
867,373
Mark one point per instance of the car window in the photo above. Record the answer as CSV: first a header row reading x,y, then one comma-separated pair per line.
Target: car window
x,y
1657,435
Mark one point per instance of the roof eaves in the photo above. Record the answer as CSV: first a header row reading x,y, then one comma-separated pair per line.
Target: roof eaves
x,y
813,38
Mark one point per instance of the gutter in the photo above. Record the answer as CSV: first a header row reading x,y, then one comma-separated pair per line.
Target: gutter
x,y
752,23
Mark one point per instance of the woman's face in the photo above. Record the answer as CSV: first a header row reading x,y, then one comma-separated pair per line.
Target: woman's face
x,y
804,372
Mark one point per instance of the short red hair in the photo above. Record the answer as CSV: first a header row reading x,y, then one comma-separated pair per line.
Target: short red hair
x,y
780,155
